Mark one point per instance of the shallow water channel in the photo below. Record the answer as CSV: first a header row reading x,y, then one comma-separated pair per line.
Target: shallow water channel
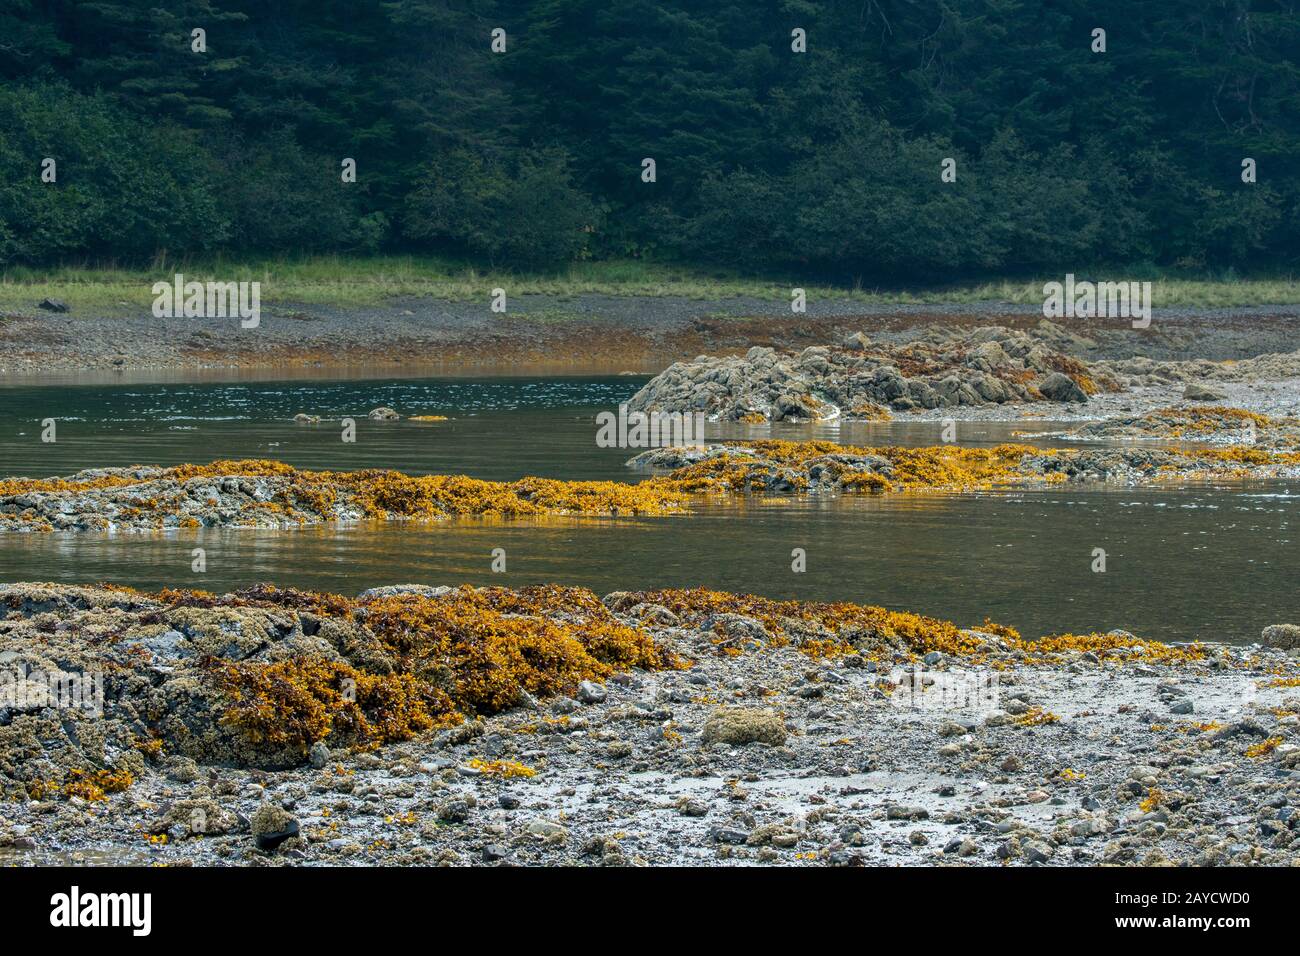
x,y
1210,561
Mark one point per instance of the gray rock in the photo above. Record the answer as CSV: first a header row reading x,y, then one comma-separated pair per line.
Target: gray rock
x,y
546,828
320,755
1059,387
1035,851
395,590
1197,392
1285,636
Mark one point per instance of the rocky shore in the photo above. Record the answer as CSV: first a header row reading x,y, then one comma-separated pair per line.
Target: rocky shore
x,y
1210,425
664,727
992,366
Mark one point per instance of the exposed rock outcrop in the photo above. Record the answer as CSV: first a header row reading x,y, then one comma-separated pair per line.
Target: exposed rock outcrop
x,y
860,378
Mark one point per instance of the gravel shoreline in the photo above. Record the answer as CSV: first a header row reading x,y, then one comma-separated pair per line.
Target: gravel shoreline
x,y
594,333
758,753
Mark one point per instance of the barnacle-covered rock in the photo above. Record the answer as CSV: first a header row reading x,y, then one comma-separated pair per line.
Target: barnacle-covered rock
x,y
744,725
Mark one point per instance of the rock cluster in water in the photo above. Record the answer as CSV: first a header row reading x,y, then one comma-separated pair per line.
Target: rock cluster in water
x,y
780,467
271,494
862,378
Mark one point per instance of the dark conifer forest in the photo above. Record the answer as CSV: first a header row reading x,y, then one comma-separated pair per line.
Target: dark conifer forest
x,y
786,135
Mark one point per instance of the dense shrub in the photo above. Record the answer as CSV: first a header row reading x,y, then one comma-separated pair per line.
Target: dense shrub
x,y
124,188
526,211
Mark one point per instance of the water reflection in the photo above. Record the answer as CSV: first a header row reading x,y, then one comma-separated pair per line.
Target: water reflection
x,y
1196,563
1214,562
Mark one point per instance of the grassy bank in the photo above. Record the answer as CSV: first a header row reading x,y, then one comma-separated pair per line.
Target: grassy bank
x,y
380,280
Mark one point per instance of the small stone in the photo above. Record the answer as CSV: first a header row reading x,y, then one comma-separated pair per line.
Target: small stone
x,y
1059,387
546,828
1285,636
690,807
272,824
453,811
182,770
1183,706
1035,851
590,693
320,755
900,812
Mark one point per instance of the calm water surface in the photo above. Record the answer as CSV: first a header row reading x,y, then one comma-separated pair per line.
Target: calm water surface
x,y
1215,562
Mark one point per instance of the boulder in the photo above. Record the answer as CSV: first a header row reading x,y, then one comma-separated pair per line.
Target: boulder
x,y
1059,387
1196,392
1285,636
744,725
